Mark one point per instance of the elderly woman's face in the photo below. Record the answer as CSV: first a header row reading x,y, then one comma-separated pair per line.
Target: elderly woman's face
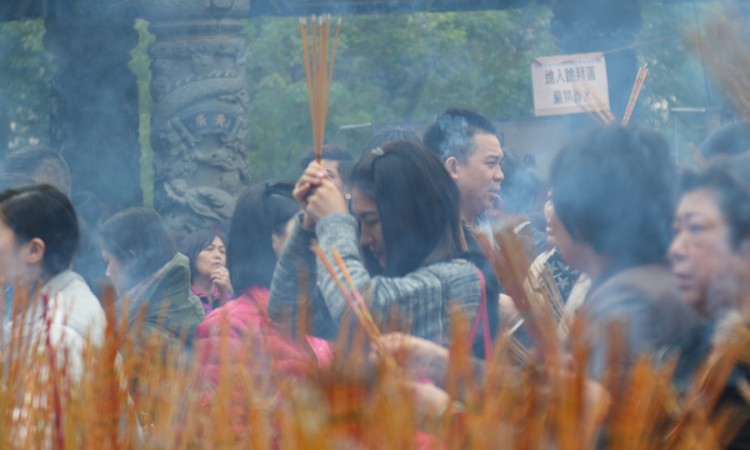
x,y
708,269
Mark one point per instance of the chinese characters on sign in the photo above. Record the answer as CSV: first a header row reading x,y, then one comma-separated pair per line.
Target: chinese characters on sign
x,y
569,84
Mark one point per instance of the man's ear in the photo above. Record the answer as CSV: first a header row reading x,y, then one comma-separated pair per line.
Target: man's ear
x,y
33,251
451,165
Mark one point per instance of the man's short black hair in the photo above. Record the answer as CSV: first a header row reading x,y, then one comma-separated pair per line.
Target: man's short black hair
x,y
453,131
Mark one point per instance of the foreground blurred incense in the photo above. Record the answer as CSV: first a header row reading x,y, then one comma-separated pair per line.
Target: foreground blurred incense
x,y
319,72
356,402
535,299
723,47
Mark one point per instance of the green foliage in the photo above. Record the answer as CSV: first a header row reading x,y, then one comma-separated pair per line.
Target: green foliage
x,y
389,69
139,64
676,77
24,84
400,68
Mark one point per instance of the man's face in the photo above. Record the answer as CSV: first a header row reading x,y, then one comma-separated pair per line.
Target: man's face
x,y
479,178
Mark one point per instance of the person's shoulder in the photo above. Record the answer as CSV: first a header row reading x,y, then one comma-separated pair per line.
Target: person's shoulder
x,y
652,284
74,306
645,294
458,275
179,265
173,278
451,267
74,292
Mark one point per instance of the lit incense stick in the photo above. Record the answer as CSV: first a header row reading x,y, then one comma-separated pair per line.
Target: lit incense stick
x,y
319,72
366,324
640,78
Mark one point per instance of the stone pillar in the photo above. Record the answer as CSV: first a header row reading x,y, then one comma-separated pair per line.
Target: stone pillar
x,y
94,119
199,117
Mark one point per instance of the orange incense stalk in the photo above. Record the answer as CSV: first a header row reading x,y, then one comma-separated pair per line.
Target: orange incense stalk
x,y
584,106
319,73
609,118
348,278
373,328
589,107
640,78
367,324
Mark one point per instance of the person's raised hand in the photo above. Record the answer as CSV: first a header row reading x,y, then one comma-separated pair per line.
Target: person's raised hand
x,y
220,279
324,200
311,178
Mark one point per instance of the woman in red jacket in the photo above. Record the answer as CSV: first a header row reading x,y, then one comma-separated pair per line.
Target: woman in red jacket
x,y
257,233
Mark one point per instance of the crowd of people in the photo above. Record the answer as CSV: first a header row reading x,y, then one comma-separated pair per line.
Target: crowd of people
x,y
625,237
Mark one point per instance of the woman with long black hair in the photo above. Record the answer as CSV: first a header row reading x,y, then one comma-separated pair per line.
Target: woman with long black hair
x,y
406,218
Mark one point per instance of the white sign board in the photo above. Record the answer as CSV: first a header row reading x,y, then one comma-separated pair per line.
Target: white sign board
x,y
569,84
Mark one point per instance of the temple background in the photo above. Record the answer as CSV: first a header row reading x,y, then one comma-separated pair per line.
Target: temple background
x,y
181,107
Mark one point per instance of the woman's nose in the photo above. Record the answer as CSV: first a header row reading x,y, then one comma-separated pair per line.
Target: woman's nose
x,y
677,247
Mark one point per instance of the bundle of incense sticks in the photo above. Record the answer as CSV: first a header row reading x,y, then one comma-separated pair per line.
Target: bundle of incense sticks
x,y
593,105
722,45
640,78
319,72
531,299
350,292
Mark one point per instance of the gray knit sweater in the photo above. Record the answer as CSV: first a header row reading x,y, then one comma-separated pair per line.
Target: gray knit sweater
x,y
422,298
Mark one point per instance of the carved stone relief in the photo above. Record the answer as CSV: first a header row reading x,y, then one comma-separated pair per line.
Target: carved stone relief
x,y
199,118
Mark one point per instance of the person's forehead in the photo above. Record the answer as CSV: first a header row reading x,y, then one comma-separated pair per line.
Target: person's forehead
x,y
215,241
331,164
487,144
701,201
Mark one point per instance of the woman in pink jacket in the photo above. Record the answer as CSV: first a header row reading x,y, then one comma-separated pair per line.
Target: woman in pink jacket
x,y
257,234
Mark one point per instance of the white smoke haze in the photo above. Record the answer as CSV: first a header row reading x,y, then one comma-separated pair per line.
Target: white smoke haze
x,y
404,66
457,131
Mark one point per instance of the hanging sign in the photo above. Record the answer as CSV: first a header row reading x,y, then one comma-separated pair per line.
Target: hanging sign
x,y
570,84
